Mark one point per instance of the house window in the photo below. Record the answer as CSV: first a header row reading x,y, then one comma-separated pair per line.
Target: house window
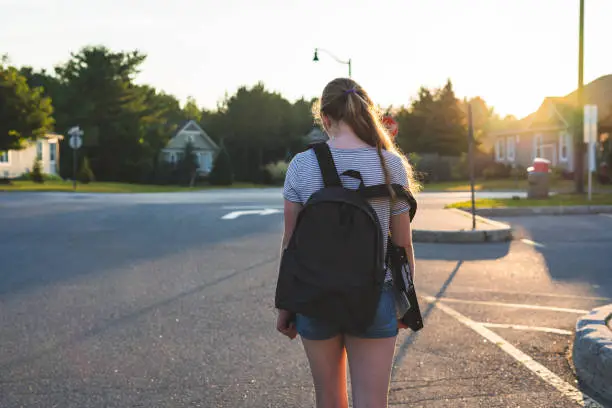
x,y
52,151
564,141
207,161
499,149
39,150
511,147
4,157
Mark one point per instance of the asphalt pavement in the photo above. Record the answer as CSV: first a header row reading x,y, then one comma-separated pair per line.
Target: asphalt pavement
x,y
166,300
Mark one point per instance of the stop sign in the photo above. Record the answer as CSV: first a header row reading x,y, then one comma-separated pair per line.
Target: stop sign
x,y
391,125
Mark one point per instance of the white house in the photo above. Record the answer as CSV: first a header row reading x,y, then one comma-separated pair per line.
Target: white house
x,y
14,163
205,148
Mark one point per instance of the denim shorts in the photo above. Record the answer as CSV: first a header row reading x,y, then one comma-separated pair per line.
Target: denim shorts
x,y
384,323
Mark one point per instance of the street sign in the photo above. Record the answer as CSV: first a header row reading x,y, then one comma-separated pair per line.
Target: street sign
x,y
391,125
76,142
590,138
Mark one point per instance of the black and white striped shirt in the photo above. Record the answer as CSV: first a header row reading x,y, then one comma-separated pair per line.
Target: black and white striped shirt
x,y
304,178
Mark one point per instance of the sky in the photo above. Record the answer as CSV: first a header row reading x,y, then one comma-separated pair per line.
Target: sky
x,y
512,53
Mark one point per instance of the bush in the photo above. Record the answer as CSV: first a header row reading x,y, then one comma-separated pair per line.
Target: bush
x,y
497,171
36,175
274,173
85,174
222,173
46,177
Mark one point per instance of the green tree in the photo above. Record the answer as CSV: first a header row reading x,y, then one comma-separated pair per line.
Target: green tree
x,y
222,173
188,165
25,114
36,175
191,111
85,174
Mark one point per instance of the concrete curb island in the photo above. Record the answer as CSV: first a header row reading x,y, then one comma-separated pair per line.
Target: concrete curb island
x,y
493,231
592,353
462,237
558,210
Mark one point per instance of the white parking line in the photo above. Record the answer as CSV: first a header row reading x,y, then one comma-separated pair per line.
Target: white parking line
x,y
532,243
538,369
512,305
526,328
510,292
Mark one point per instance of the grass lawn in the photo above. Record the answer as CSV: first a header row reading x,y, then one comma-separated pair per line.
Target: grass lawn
x,y
103,187
553,201
507,185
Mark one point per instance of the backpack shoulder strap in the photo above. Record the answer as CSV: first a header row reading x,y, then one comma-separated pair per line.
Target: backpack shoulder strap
x,y
381,190
327,165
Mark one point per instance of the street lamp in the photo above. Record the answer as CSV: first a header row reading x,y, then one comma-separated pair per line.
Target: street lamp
x,y
316,59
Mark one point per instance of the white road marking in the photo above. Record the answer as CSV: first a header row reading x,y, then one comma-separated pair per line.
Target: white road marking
x,y
607,215
251,207
538,369
559,295
532,243
235,214
527,328
512,305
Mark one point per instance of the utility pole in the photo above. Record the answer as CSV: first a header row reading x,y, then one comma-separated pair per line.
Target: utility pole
x,y
578,133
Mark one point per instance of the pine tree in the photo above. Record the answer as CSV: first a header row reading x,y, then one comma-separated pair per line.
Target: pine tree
x,y
222,173
85,174
36,175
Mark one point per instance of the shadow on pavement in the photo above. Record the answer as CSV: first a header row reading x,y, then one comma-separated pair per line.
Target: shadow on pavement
x,y
575,248
59,244
403,348
462,252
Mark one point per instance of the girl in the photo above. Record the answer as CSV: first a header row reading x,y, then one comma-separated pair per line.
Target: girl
x,y
358,141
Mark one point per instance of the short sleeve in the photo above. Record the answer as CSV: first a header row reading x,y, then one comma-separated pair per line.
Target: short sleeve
x,y
399,176
291,190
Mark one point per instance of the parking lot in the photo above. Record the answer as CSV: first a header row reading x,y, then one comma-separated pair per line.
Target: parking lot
x,y
165,301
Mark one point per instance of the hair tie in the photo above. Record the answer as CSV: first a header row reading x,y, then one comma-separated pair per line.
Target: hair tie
x,y
352,90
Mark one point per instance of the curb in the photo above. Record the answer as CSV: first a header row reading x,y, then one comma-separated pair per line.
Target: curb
x,y
501,233
559,210
592,353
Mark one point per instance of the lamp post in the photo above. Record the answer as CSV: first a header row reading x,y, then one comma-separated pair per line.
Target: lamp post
x,y
578,136
316,59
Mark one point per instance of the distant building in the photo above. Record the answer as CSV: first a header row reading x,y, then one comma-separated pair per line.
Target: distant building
x,y
14,163
205,148
548,132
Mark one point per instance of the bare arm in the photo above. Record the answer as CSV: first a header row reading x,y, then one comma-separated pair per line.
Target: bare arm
x,y
291,213
401,234
284,322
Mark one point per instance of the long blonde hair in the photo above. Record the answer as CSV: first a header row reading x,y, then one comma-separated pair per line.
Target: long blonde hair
x,y
344,100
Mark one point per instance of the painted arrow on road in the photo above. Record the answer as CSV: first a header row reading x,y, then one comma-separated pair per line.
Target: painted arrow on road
x,y
235,214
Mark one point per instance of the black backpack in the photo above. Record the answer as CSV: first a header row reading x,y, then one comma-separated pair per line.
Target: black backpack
x,y
333,268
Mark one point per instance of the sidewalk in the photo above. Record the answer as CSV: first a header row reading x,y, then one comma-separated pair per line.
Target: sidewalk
x,y
455,226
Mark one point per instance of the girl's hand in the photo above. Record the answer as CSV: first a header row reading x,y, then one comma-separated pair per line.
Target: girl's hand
x,y
285,324
401,324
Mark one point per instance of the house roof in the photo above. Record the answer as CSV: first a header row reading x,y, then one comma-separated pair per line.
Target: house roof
x,y
555,112
192,125
51,135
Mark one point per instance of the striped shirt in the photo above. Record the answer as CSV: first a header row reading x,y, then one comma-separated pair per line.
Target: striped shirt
x,y
304,178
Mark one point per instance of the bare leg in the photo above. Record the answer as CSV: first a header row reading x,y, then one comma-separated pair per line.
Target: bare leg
x,y
327,360
370,362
